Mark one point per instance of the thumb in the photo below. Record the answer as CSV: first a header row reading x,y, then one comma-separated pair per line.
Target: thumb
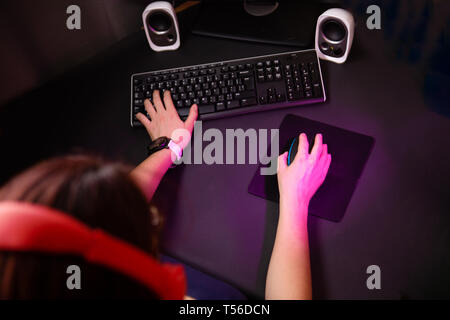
x,y
193,113
282,161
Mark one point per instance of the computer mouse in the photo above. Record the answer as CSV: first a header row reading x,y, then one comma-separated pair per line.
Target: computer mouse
x,y
293,148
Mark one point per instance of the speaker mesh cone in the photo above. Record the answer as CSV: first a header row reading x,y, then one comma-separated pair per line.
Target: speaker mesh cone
x,y
334,30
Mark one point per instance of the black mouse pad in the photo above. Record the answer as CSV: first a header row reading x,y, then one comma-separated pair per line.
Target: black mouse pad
x,y
349,151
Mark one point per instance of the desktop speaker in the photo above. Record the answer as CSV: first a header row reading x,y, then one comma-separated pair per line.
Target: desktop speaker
x,y
161,26
334,35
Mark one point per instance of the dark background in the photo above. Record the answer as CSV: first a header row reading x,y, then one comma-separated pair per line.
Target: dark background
x,y
68,91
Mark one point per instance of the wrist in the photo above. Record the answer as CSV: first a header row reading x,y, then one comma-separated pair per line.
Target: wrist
x,y
167,146
293,209
294,200
164,157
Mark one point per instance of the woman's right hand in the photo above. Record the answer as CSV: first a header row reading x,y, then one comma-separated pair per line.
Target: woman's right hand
x,y
300,180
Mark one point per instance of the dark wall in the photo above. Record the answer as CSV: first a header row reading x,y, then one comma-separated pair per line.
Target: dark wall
x,y
419,34
36,45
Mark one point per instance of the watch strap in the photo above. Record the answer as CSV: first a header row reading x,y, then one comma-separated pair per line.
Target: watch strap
x,y
165,143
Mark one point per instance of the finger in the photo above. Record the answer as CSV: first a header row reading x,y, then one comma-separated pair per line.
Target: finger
x,y
322,158
149,108
324,151
157,101
144,120
326,166
282,161
303,147
168,102
190,121
317,148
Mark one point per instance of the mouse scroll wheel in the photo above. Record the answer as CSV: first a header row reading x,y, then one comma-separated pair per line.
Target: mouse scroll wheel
x,y
159,21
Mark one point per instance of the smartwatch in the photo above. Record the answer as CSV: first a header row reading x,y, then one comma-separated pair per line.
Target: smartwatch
x,y
165,143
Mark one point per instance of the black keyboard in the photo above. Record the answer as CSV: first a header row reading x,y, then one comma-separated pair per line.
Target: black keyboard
x,y
234,87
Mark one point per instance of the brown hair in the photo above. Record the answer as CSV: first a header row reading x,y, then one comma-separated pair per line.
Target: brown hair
x,y
101,195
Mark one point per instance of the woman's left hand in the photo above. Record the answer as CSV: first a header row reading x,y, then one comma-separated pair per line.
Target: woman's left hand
x,y
164,119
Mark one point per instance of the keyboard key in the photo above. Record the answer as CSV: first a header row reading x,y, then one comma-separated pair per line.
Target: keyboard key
x,y
280,97
249,83
204,100
220,106
248,102
233,104
183,112
316,90
244,94
206,108
245,73
292,96
262,100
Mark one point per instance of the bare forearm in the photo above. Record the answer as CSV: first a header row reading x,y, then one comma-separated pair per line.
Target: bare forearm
x,y
149,173
289,274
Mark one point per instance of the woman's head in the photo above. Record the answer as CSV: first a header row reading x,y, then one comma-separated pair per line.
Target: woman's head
x,y
101,195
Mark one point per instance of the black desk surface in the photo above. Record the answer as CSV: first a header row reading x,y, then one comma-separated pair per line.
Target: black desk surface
x,y
398,217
